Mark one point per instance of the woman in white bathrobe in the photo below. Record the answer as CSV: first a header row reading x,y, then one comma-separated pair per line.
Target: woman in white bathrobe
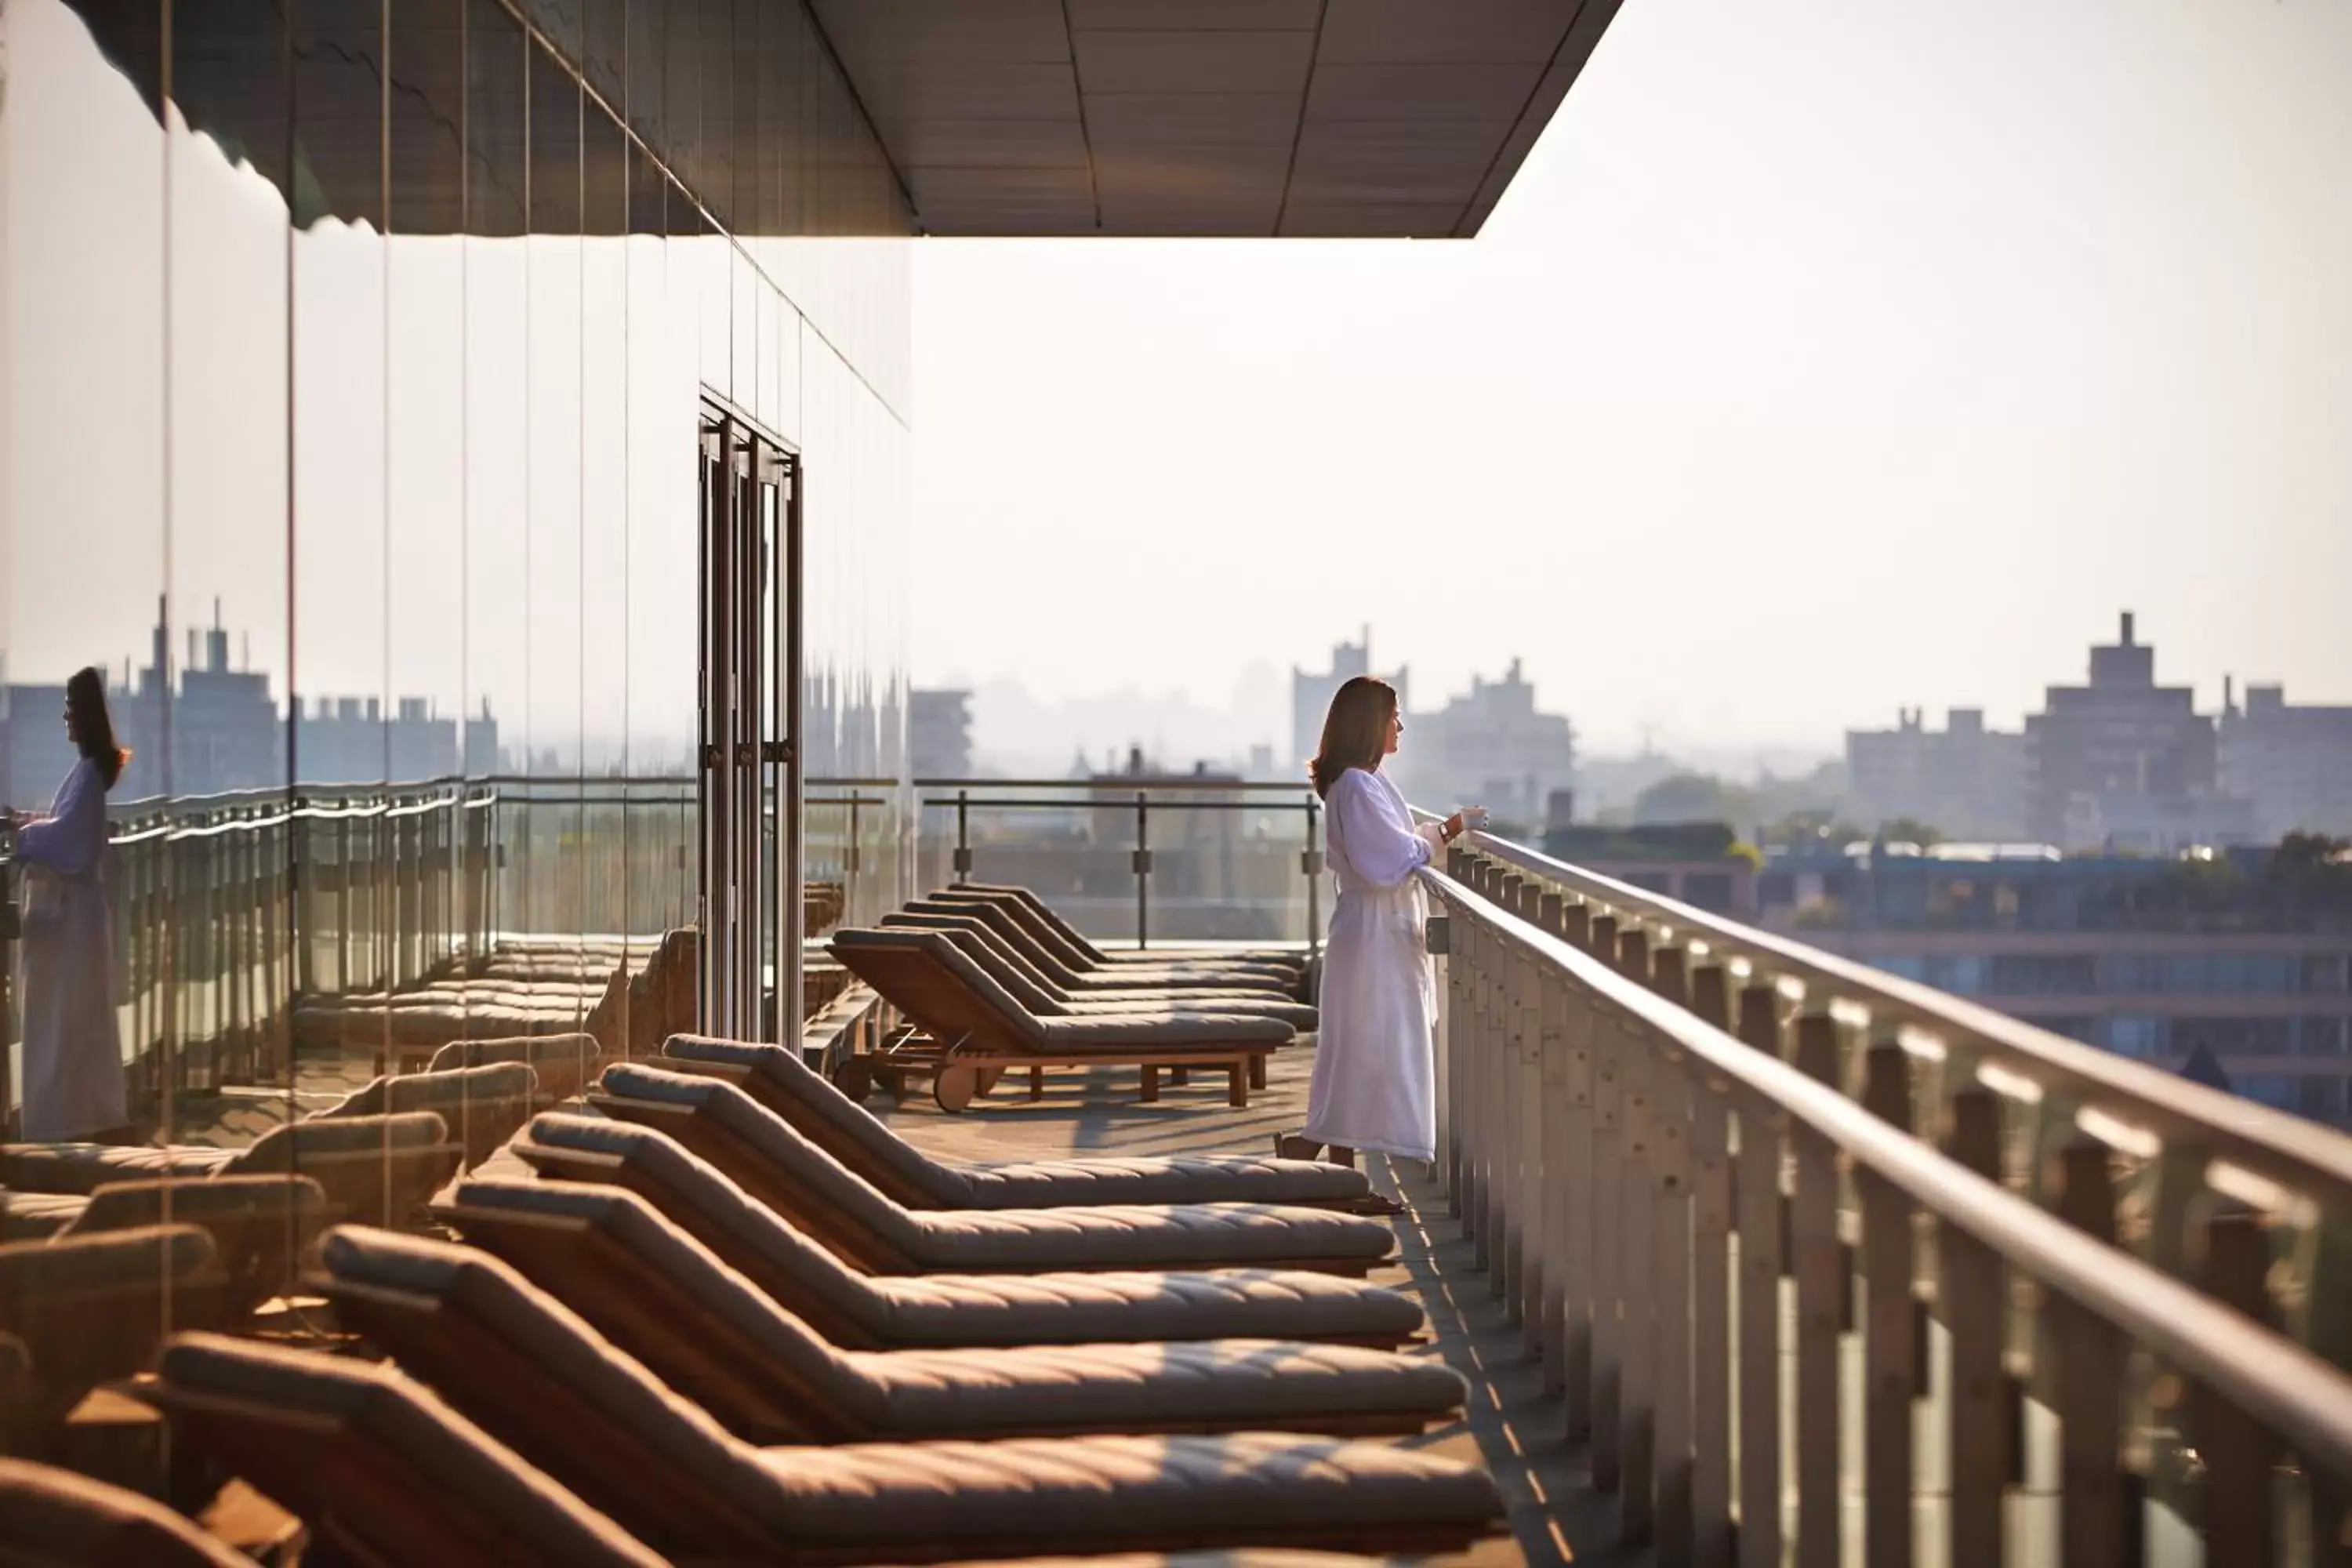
x,y
1375,1075
73,1053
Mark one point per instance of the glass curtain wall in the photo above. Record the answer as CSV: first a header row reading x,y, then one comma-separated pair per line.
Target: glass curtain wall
x,y
353,359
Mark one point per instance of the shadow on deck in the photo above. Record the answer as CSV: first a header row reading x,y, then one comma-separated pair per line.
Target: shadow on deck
x,y
1512,1427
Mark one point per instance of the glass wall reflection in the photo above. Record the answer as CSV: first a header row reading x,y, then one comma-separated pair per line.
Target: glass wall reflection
x,y
349,428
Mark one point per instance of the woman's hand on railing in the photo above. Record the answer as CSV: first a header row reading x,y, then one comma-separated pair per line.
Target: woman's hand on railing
x,y
1469,819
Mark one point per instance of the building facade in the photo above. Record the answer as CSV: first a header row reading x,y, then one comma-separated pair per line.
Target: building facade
x,y
2147,957
1966,781
2292,761
1490,746
938,734
2123,763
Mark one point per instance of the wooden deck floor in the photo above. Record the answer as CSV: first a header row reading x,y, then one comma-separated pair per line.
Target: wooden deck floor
x,y
1511,1428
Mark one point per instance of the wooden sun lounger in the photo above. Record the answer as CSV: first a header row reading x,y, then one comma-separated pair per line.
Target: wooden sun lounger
x,y
1041,995
863,1312
1081,951
453,1313
55,1519
595,1420
566,1064
91,1309
375,1168
977,1025
1005,921
773,1164
775,1076
374,1463
259,1224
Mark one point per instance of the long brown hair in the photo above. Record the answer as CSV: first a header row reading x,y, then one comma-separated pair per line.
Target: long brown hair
x,y
94,726
1355,731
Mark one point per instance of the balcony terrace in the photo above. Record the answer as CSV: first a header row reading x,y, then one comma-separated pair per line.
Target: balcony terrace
x,y
2031,1302
538,373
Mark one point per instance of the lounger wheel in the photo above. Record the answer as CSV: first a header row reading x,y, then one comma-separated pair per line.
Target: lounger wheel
x,y
853,1077
954,1087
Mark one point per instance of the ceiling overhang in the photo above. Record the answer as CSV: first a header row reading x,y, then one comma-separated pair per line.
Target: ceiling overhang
x,y
1365,119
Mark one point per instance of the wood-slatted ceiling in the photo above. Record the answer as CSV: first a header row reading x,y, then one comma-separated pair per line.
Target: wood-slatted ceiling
x,y
1242,118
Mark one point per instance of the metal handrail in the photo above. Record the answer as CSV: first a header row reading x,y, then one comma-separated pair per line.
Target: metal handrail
x,y
266,794
1123,800
1097,796
2282,1149
2299,1396
1178,783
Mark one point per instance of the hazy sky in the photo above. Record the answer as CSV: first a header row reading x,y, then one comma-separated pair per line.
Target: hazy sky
x,y
1824,357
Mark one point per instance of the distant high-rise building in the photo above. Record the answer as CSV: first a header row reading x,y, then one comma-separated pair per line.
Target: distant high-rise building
x,y
1965,781
938,733
2293,761
1490,747
213,730
1311,692
2114,761
348,740
208,729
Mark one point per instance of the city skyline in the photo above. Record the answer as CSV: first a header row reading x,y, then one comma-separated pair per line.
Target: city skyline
x,y
1184,720
1818,363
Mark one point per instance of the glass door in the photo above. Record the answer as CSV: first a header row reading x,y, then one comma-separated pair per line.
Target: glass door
x,y
750,793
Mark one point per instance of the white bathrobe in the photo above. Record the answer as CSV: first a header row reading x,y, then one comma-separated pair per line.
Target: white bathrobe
x,y
73,1053
1375,1083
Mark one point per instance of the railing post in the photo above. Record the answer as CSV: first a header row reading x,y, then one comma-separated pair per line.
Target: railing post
x,y
1641,1336
1711,1225
1822,1288
1510,1185
344,906
1470,944
1972,1298
1535,1267
1608,1228
2326,1328
2239,1453
1889,1326
1576,1247
1472,1043
1671,1269
963,838
2086,1381
1311,862
1528,1269
1562,1179
1142,870
1461,935
1492,1244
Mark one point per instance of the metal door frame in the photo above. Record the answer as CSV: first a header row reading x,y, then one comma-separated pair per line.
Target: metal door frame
x,y
750,582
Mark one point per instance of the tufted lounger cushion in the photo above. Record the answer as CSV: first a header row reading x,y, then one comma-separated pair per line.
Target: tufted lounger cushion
x,y
776,1078
417,1482
840,1205
940,1309
712,1334
599,1423
86,1167
1034,991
